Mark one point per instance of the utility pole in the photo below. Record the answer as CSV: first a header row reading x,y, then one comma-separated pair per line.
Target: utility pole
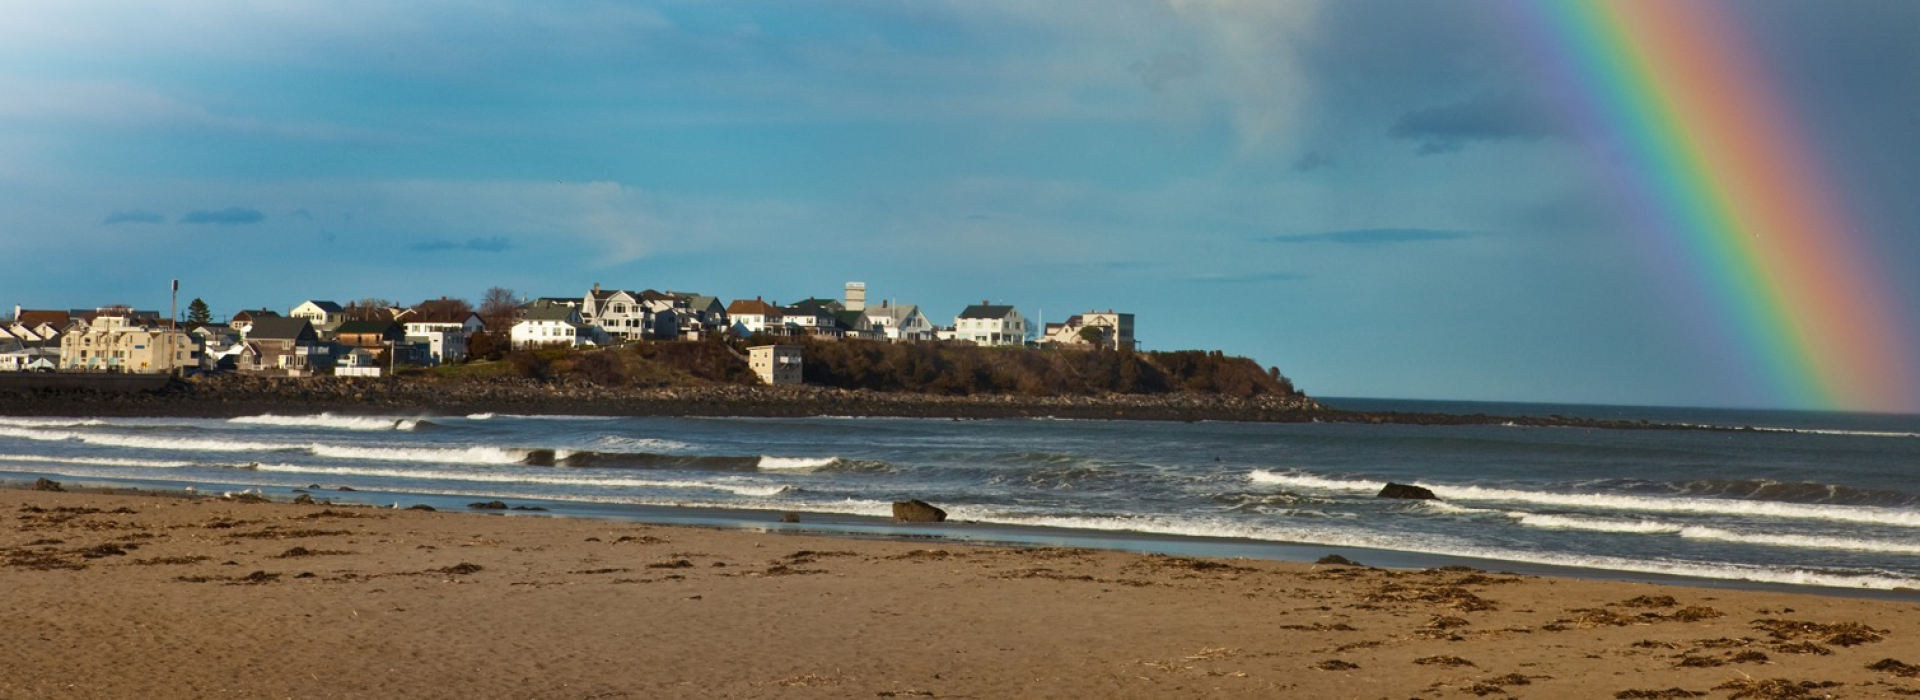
x,y
173,323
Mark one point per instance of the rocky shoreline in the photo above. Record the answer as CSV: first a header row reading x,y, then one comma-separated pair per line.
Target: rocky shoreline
x,y
232,395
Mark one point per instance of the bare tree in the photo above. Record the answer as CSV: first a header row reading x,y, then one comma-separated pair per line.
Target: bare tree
x,y
498,306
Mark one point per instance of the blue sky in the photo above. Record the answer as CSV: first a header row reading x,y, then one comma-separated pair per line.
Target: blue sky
x,y
1365,194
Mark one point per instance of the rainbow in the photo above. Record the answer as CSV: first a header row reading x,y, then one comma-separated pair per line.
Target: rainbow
x,y
1709,160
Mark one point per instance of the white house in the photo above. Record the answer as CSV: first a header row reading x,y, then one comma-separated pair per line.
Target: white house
x,y
751,316
617,312
991,324
119,340
900,323
543,325
324,315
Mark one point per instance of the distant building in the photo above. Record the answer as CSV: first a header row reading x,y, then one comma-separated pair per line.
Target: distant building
x,y
324,315
756,316
549,325
991,324
121,341
776,364
899,323
1102,329
282,346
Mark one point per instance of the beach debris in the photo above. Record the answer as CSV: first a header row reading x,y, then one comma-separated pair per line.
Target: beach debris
x,y
305,499
1336,560
1406,491
789,517
671,564
917,511
102,550
1840,634
1895,667
1668,694
422,506
1448,661
1336,665
460,569
536,508
46,484
488,505
248,496
1649,601
1774,689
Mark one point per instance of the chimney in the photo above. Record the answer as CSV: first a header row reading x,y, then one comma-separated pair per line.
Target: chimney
x,y
596,288
984,302
856,296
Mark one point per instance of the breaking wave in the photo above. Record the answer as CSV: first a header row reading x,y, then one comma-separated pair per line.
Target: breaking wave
x,y
331,421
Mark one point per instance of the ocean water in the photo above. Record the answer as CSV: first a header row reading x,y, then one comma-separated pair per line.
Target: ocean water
x,y
1808,499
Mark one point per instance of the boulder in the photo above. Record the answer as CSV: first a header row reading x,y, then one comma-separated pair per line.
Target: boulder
x,y
46,484
1405,491
917,511
489,505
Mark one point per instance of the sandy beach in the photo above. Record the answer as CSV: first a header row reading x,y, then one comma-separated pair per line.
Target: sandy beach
x,y
161,596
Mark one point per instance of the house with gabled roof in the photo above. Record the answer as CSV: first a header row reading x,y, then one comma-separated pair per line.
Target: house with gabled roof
x,y
550,325
757,316
699,315
899,323
282,346
245,318
324,315
986,323
1107,329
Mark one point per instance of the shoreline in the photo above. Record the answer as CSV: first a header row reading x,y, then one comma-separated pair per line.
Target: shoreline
x,y
967,533
116,596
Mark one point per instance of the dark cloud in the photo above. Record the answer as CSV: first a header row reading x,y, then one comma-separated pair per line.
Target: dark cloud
x,y
492,244
1372,237
134,217
225,217
1157,72
1488,116
1313,160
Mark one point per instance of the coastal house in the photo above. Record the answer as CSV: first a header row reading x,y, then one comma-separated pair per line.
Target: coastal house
x,y
550,325
616,312
991,324
815,317
899,323
776,364
19,357
286,347
699,316
245,318
756,317
116,339
1107,329
220,345
358,362
34,325
324,315
438,329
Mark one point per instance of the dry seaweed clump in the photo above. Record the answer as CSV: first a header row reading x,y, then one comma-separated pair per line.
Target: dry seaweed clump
x,y
1336,665
1649,601
1840,634
1895,667
1448,661
1775,689
1667,694
1454,597
1589,618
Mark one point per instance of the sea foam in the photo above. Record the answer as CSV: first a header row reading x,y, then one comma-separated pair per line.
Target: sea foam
x,y
330,421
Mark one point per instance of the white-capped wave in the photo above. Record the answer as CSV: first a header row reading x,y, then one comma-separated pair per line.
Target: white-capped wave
x,y
634,444
1702,532
480,416
542,479
1874,515
437,455
95,461
1568,522
1813,431
1443,546
330,421
142,441
1655,504
51,422
1308,481
771,462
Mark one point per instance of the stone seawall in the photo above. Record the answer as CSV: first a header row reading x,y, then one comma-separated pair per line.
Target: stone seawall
x,y
239,395
36,382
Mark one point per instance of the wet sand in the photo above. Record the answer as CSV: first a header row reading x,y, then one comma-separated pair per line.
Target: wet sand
x,y
166,597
